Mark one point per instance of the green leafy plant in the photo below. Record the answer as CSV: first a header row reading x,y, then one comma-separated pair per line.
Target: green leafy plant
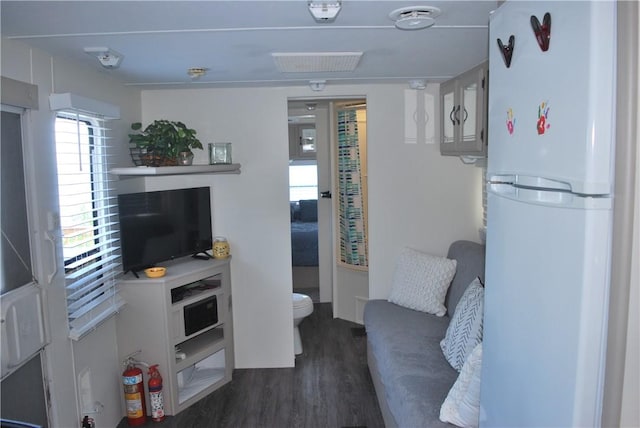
x,y
164,139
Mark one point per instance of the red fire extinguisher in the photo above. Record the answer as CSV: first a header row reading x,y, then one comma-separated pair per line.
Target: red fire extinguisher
x,y
134,395
155,394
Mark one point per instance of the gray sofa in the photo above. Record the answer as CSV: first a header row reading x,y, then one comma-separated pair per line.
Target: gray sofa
x,y
409,371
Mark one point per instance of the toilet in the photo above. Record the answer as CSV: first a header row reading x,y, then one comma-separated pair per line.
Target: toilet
x,y
302,307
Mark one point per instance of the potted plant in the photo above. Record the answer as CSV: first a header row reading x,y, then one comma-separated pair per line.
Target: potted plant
x,y
163,143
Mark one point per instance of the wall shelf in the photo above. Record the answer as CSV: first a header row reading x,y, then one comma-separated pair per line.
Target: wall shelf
x,y
233,168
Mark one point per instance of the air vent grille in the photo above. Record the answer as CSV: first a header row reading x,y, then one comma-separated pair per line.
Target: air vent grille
x,y
316,62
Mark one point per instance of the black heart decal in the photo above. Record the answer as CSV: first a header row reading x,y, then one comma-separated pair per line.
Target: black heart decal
x,y
542,31
507,50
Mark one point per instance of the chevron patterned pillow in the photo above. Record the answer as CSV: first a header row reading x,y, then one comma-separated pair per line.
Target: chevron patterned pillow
x,y
420,281
465,329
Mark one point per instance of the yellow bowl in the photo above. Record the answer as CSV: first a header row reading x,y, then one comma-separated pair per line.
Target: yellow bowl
x,y
155,272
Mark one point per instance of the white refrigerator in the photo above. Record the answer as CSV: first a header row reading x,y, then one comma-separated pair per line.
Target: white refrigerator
x,y
550,172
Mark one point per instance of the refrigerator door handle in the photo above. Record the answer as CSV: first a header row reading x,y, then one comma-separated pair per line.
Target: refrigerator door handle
x,y
531,182
549,198
501,178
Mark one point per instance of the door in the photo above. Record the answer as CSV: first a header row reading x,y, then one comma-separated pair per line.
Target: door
x,y
551,112
309,148
546,302
349,158
22,387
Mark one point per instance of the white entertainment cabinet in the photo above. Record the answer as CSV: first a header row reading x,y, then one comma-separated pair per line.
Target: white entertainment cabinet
x,y
151,326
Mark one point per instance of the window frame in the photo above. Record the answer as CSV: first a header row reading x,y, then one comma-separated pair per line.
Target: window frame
x,y
91,275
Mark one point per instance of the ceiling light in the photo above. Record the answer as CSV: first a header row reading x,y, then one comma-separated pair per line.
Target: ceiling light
x,y
310,106
196,72
317,85
108,57
324,11
414,17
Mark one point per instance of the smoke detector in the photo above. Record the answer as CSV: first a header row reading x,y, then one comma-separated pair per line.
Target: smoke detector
x,y
323,10
414,17
108,57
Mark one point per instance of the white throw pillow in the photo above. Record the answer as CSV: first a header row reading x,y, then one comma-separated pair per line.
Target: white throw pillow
x,y
465,329
462,405
420,281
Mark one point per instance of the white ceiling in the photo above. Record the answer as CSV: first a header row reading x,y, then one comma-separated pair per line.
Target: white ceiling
x,y
160,40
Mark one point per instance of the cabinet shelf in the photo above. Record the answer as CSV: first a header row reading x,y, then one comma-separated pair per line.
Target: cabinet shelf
x,y
200,346
139,171
202,377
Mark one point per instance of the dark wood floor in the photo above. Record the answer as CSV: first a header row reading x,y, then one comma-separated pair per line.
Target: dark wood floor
x,y
329,387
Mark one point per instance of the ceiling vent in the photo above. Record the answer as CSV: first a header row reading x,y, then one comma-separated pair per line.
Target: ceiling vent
x,y
414,17
318,62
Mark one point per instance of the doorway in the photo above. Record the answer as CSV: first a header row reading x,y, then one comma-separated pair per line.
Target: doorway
x,y
315,139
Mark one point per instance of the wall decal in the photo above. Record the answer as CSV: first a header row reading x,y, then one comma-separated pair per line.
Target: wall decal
x,y
542,31
511,121
543,116
507,51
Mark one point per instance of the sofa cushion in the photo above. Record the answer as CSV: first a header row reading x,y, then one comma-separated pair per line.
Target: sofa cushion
x,y
420,281
465,329
470,258
462,405
415,375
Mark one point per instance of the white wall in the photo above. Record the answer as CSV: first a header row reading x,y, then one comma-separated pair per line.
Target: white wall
x,y
416,197
96,355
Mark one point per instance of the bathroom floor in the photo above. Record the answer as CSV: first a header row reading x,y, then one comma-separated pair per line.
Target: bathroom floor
x,y
330,386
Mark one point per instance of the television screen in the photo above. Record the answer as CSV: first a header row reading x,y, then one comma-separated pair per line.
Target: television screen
x,y
163,225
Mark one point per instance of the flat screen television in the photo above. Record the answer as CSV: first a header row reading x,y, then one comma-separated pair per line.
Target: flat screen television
x,y
163,225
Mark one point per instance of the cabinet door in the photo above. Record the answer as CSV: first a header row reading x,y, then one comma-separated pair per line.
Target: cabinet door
x,y
463,114
308,141
302,141
471,112
449,103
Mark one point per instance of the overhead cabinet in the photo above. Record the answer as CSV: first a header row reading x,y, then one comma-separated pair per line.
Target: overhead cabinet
x,y
302,141
463,100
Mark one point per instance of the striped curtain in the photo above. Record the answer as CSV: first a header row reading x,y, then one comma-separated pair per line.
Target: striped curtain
x,y
351,189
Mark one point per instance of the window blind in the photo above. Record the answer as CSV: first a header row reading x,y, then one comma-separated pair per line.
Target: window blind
x,y
88,219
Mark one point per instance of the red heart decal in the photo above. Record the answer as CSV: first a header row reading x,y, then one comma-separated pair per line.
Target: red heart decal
x,y
542,31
